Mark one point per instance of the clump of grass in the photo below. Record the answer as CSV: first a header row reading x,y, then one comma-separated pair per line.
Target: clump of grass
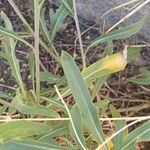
x,y
40,118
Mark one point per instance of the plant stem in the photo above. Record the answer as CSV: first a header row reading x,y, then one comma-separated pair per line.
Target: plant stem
x,y
128,119
70,117
79,34
32,32
36,52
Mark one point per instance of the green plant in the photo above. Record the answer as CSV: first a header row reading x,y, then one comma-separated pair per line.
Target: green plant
x,y
144,80
45,120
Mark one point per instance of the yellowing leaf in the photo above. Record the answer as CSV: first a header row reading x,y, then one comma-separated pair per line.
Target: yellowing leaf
x,y
114,62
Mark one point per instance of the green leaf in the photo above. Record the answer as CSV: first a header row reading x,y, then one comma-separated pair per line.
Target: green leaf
x,y
34,109
133,53
7,22
21,129
145,80
101,80
8,33
3,55
102,105
136,135
9,48
68,4
99,69
29,28
145,72
132,147
102,67
58,130
98,84
43,26
119,124
110,48
19,14
46,34
32,145
122,33
57,19
142,81
49,77
82,96
77,121
53,101
4,95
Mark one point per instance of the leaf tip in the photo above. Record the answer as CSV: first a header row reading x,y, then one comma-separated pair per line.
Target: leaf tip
x,y
65,55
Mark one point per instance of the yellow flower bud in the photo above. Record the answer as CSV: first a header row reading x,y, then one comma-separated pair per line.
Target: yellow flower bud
x,y
114,62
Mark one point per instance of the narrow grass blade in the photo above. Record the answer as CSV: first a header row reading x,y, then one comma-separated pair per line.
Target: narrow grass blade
x,y
21,129
122,33
19,14
49,77
57,19
145,72
43,27
76,117
136,135
33,109
30,29
9,49
118,140
32,145
53,101
58,130
70,118
14,64
68,4
82,96
102,105
98,84
142,81
46,34
12,34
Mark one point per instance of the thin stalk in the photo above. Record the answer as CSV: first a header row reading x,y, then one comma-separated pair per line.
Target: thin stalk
x,y
57,58
70,117
32,32
119,131
128,119
79,34
8,87
129,15
36,52
20,15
